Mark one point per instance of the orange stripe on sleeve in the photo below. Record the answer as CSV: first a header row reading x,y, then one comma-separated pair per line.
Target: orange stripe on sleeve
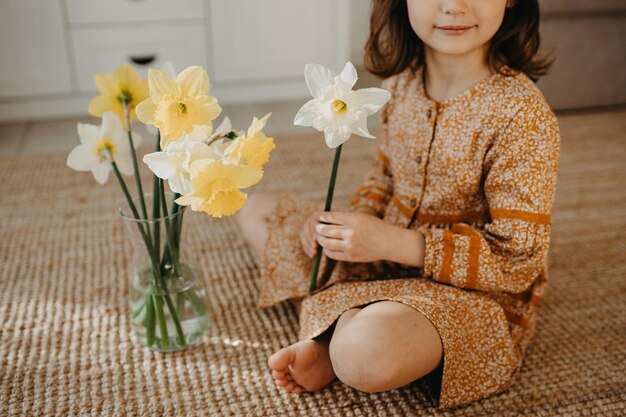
x,y
448,255
474,252
521,215
406,211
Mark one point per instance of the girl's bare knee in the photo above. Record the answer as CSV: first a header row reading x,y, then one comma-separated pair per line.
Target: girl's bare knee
x,y
357,361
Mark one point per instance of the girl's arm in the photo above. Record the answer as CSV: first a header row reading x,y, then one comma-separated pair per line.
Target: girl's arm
x,y
509,252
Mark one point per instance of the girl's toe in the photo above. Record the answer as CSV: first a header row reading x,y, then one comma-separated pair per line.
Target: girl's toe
x,y
278,374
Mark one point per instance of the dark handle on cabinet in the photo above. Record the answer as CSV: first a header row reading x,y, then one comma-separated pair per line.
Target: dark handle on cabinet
x,y
143,59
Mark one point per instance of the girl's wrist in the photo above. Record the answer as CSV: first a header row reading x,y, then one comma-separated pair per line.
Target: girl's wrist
x,y
406,247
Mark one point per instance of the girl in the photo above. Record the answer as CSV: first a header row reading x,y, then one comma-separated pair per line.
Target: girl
x,y
438,266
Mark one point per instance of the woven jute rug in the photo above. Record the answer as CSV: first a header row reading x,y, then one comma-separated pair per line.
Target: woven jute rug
x,y
65,339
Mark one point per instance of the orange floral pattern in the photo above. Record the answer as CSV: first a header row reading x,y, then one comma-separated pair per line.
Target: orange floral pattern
x,y
476,174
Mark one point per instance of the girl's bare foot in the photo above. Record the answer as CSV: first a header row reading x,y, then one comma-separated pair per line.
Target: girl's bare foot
x,y
303,366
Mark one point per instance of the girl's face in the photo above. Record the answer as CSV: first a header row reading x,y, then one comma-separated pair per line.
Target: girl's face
x,y
434,22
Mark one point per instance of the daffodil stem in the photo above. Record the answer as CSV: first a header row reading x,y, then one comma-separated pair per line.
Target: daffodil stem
x,y
131,143
329,201
171,251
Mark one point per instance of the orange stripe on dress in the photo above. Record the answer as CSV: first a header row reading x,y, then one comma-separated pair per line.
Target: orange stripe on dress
x,y
520,215
448,256
383,157
449,218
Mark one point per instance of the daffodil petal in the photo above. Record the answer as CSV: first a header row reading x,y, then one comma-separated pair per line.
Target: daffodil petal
x,y
88,133
224,127
81,158
360,127
334,139
160,84
200,132
193,82
372,99
103,103
348,75
191,200
258,124
101,172
161,164
225,203
179,184
106,83
246,176
317,78
145,111
111,126
306,114
169,69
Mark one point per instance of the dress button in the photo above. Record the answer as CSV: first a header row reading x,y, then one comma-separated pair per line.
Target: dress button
x,y
429,113
413,202
419,159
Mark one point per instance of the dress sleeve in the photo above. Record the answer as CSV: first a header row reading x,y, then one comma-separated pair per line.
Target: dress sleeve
x,y
377,189
509,251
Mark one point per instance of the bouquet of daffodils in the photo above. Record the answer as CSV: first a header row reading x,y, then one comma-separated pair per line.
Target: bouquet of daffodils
x,y
205,170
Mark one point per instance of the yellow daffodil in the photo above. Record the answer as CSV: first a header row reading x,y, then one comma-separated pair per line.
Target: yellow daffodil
x,y
124,83
181,106
100,146
216,186
254,147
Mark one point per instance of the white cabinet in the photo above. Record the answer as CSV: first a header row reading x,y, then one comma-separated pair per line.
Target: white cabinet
x,y
116,11
272,39
254,50
33,50
98,50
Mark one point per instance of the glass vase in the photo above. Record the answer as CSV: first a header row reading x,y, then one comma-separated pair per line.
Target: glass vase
x,y
167,297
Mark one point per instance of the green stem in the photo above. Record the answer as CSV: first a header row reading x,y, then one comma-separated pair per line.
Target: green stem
x,y
134,158
156,261
170,251
329,200
165,338
150,321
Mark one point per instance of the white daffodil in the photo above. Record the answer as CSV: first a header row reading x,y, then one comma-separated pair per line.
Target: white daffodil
x,y
336,109
174,163
224,128
101,145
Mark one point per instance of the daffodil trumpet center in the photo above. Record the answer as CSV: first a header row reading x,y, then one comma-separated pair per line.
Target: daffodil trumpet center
x,y
339,106
179,109
125,96
105,150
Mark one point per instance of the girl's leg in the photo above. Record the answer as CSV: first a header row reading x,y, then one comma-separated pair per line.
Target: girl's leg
x,y
382,346
252,220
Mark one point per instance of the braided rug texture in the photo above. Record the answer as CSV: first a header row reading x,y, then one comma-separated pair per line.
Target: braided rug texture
x,y
65,339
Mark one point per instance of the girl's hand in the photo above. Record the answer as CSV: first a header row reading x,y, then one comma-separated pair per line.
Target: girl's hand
x,y
362,237
307,234
356,237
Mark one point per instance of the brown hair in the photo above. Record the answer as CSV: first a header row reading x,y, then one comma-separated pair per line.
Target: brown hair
x,y
393,46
